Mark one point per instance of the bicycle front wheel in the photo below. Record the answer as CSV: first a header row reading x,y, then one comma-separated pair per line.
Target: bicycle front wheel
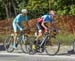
x,y
52,46
24,44
8,44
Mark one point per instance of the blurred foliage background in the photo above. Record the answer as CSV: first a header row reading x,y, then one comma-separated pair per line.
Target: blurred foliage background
x,y
36,8
64,20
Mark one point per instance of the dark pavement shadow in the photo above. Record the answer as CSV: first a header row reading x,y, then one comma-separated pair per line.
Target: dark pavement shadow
x,y
2,48
70,52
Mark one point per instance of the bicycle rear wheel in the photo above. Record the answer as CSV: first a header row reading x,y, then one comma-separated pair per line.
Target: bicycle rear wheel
x,y
52,46
8,44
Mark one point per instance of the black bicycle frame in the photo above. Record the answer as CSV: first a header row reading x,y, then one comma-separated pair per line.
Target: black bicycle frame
x,y
44,41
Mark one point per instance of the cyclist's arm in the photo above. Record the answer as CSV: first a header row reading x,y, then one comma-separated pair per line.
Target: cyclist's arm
x,y
17,21
53,26
44,25
18,26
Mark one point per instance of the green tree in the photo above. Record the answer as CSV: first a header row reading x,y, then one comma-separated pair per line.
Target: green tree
x,y
36,8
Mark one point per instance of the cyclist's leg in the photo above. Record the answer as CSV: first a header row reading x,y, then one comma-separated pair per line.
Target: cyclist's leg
x,y
37,36
36,30
15,37
15,28
40,29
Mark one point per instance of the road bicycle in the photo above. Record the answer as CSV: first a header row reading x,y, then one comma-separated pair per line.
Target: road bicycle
x,y
20,41
49,44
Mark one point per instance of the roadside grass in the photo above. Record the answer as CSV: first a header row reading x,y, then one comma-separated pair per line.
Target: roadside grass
x,y
2,38
65,39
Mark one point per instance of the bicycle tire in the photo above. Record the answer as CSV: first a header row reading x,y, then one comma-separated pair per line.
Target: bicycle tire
x,y
8,44
54,48
24,45
31,51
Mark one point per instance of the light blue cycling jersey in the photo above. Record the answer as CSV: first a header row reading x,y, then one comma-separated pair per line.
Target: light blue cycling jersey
x,y
19,18
47,18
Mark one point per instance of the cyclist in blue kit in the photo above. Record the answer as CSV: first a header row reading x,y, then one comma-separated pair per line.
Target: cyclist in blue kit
x,y
17,24
41,24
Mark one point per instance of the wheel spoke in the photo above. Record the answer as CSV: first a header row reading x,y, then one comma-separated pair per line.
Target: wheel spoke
x,y
8,44
52,46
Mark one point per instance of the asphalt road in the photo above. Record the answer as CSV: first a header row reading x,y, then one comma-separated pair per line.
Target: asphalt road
x,y
26,57
18,55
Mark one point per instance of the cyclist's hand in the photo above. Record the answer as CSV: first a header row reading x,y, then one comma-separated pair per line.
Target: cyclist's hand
x,y
45,30
21,29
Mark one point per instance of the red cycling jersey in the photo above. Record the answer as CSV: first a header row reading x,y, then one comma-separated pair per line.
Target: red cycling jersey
x,y
40,19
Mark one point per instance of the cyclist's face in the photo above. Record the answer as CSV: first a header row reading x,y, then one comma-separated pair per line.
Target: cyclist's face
x,y
24,14
52,13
